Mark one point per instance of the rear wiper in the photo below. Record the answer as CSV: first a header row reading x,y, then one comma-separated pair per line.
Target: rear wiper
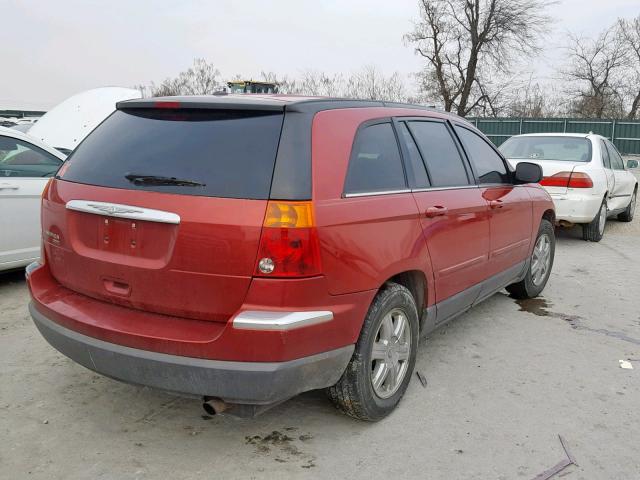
x,y
158,180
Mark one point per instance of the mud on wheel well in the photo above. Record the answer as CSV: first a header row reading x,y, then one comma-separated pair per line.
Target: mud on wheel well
x,y
416,282
550,216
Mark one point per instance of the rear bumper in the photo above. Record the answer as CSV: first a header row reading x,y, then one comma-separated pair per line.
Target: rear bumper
x,y
576,207
280,321
253,383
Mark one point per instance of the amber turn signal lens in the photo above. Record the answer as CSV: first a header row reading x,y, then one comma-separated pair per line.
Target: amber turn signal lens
x,y
289,215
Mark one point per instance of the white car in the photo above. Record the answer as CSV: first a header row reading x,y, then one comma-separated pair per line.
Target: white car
x,y
585,175
25,168
28,160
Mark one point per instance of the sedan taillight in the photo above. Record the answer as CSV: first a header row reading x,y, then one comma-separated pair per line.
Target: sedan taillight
x,y
568,180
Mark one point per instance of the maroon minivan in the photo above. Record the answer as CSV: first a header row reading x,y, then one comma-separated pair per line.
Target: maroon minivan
x,y
245,249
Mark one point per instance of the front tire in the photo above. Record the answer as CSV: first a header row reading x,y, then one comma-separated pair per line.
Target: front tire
x,y
382,363
594,231
540,264
627,215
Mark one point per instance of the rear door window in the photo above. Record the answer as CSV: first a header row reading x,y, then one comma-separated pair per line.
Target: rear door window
x,y
375,164
416,171
489,166
21,159
616,160
442,158
606,160
216,153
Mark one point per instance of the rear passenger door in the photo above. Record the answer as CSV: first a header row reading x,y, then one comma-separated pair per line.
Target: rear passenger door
x,y
510,209
624,181
606,163
454,216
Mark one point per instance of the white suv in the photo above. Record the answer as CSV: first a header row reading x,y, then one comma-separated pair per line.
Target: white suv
x,y
584,174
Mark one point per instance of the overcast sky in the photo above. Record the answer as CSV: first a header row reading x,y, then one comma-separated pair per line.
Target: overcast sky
x,y
53,49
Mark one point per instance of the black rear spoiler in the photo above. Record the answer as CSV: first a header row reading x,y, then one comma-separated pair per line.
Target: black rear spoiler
x,y
208,102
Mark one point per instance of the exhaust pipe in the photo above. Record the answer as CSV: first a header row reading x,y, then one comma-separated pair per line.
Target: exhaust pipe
x,y
214,405
565,224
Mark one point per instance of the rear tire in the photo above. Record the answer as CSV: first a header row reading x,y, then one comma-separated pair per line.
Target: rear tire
x,y
594,231
627,215
360,393
540,264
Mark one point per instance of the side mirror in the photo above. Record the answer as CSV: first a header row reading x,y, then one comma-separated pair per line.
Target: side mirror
x,y
632,163
527,172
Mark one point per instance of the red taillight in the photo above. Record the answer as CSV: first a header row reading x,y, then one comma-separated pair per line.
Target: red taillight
x,y
568,180
580,180
289,244
44,196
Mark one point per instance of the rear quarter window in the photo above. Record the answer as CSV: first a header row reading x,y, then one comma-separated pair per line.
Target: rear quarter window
x,y
375,164
228,153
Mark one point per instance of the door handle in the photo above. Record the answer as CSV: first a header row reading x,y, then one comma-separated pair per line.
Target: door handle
x,y
9,186
436,211
495,204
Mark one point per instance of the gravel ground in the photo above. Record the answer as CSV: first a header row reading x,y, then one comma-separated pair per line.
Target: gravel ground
x,y
503,381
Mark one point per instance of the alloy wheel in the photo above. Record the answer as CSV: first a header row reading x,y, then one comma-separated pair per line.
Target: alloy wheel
x,y
390,354
540,259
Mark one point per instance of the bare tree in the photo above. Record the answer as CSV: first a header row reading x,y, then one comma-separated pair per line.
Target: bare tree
x,y
630,33
371,84
368,83
533,100
202,78
594,74
467,44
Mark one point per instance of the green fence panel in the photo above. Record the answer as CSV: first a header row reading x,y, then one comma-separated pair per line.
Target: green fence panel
x,y
599,127
627,136
543,125
624,133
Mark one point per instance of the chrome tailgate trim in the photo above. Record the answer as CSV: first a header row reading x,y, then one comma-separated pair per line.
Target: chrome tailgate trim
x,y
123,211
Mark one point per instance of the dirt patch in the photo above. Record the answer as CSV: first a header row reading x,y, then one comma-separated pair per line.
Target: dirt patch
x,y
282,446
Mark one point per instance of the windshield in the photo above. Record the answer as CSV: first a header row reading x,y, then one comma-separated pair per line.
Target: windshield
x,y
213,153
564,149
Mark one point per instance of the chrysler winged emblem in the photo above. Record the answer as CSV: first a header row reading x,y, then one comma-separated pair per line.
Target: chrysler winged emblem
x,y
112,209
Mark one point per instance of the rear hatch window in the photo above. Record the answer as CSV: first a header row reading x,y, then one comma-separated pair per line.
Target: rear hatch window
x,y
214,153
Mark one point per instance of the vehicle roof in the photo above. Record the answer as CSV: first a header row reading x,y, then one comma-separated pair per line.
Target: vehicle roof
x,y
11,132
558,134
275,102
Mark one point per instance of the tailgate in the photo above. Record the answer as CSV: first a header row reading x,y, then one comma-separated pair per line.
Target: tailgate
x,y
199,267
162,209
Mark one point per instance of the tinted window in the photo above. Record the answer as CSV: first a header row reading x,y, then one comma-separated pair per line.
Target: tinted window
x,y
440,154
568,149
488,165
229,153
375,163
416,171
606,161
21,159
616,160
